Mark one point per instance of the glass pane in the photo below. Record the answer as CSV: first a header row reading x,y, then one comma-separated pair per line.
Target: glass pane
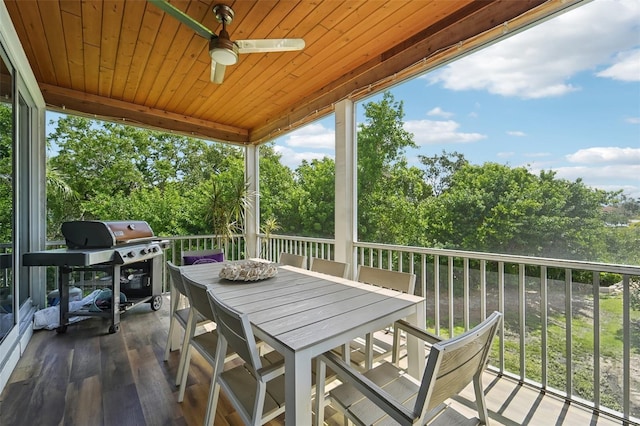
x,y
7,319
24,136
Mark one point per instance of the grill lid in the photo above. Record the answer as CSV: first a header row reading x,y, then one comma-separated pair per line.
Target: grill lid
x,y
81,234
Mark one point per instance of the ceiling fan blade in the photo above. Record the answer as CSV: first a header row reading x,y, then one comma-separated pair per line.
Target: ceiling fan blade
x,y
269,45
217,72
184,18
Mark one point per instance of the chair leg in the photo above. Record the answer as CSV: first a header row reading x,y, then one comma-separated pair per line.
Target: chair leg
x,y
368,362
482,406
185,373
258,405
174,305
212,403
169,345
214,389
189,332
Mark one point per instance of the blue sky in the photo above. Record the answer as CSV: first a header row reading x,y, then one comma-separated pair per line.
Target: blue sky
x,y
562,96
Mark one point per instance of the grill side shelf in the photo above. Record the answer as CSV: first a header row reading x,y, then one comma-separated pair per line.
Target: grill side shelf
x,y
66,257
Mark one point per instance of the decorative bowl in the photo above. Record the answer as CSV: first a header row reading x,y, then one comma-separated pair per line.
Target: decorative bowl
x,y
249,270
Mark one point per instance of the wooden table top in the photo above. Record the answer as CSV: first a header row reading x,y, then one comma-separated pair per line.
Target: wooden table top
x,y
301,308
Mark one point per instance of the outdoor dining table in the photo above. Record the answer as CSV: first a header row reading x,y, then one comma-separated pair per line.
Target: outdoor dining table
x,y
302,314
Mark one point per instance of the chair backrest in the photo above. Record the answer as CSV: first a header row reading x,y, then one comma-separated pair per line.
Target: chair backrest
x,y
176,278
197,294
236,329
453,363
330,267
400,281
293,260
192,257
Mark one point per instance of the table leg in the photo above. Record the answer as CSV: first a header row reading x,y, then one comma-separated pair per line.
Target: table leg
x,y
415,347
297,366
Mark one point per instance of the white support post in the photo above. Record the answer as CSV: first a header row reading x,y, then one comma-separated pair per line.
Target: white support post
x,y
345,186
252,213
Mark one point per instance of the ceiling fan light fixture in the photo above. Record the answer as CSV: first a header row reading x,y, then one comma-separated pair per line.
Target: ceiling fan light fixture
x,y
223,51
224,56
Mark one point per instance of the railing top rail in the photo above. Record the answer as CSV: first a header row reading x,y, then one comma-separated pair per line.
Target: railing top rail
x,y
511,258
299,238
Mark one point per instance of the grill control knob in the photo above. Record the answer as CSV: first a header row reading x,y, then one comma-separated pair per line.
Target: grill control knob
x,y
131,254
155,249
144,251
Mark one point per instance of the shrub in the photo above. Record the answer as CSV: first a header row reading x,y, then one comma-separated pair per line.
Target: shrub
x,y
608,278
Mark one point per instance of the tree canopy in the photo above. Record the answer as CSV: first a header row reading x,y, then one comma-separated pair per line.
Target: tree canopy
x,y
186,186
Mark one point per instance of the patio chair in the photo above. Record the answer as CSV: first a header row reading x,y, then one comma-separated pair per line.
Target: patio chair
x,y
296,260
205,343
193,257
255,389
375,349
179,315
329,267
387,394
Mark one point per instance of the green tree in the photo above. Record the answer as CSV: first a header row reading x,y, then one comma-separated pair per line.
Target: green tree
x,y
121,172
382,141
440,168
315,197
495,208
277,186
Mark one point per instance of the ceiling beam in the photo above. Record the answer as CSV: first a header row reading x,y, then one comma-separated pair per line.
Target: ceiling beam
x,y
80,103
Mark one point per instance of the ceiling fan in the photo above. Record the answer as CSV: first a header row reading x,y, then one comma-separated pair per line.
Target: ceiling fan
x,y
222,49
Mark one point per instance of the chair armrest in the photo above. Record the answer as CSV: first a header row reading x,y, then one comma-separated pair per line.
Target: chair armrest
x,y
368,388
271,372
417,332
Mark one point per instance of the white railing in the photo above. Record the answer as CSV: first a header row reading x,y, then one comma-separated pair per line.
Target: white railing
x,y
272,246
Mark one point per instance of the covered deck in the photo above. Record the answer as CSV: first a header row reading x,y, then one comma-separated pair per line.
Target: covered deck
x,y
63,63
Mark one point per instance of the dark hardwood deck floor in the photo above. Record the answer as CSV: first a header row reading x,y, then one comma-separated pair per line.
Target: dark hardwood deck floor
x,y
87,377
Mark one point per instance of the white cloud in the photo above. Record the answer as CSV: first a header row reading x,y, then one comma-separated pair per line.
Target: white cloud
x,y
314,135
633,120
599,155
626,68
439,112
538,62
516,133
427,132
506,154
292,159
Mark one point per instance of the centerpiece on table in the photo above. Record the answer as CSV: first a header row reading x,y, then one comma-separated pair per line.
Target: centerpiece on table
x,y
249,270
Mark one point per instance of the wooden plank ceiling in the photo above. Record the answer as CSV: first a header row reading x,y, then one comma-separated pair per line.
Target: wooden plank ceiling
x,y
129,60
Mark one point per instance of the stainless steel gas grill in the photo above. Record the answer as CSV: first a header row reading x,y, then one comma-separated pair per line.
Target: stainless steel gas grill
x,y
126,251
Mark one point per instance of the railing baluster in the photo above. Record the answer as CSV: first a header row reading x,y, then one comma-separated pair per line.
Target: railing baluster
x,y
544,282
521,320
596,340
626,347
568,324
483,290
465,301
450,291
501,309
436,292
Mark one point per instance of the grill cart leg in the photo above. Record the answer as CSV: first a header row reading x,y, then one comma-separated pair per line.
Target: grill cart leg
x,y
115,300
63,293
